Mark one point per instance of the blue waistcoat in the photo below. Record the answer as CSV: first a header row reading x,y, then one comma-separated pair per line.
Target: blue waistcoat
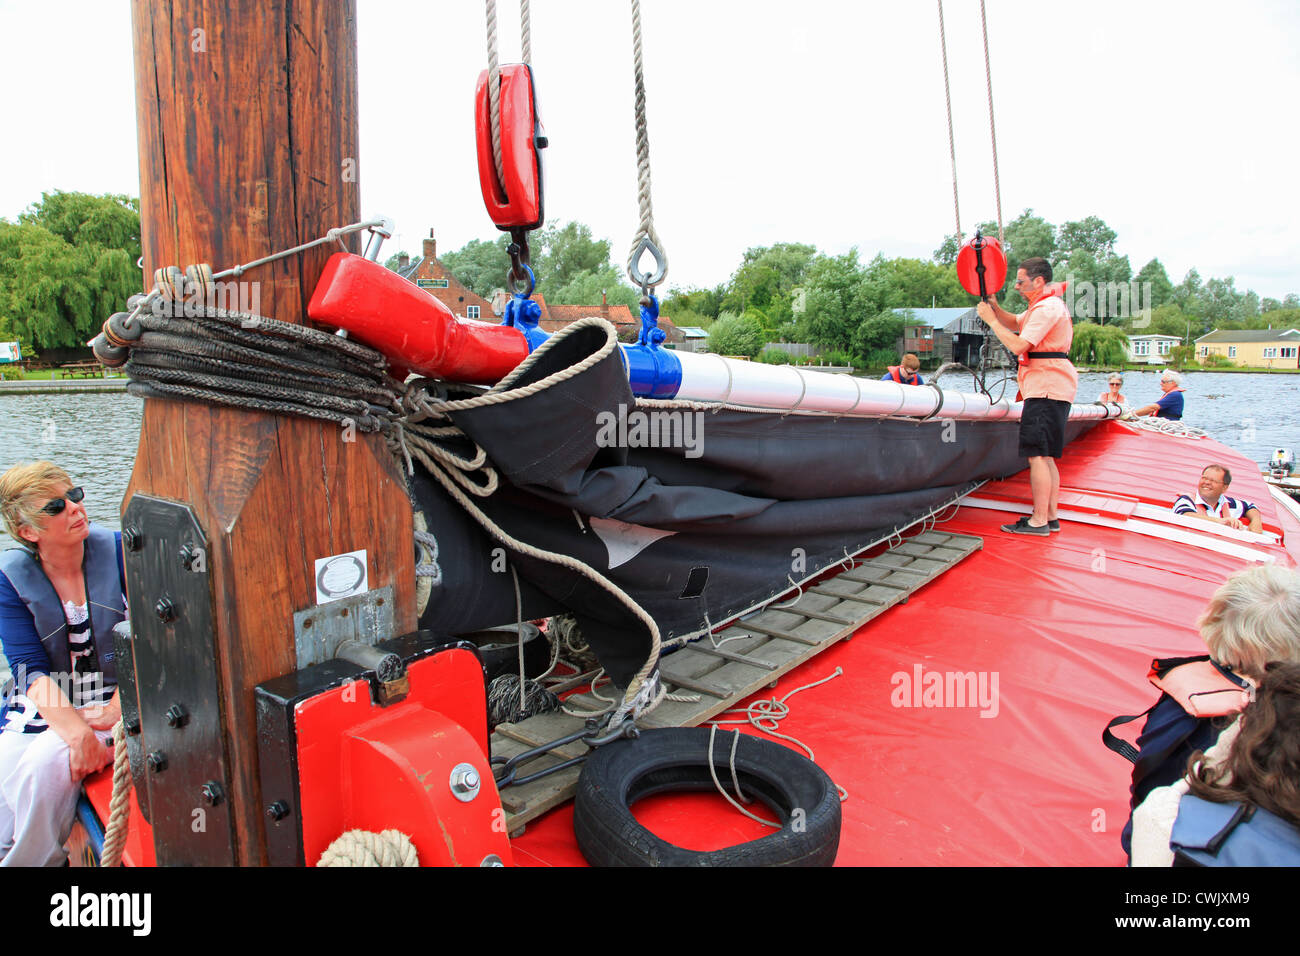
x,y
103,593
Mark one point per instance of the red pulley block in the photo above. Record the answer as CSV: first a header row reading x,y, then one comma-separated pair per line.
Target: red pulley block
x,y
985,252
412,328
516,202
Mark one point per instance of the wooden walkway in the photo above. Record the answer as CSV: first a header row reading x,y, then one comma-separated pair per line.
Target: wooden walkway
x,y
737,661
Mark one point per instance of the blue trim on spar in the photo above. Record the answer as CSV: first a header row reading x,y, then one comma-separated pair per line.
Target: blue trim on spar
x,y
651,371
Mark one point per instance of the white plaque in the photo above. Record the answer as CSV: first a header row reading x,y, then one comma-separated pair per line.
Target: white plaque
x,y
341,576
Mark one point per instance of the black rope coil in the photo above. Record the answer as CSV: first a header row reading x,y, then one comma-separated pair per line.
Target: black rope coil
x,y
250,361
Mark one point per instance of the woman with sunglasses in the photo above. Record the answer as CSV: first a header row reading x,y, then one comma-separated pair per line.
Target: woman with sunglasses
x,y
1112,393
61,594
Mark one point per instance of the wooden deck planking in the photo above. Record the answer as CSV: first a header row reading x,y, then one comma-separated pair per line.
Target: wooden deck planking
x,y
722,669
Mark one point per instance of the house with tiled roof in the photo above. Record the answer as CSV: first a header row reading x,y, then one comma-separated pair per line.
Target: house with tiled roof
x,y
431,276
1253,348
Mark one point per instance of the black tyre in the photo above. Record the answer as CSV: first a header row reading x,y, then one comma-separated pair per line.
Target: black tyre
x,y
619,774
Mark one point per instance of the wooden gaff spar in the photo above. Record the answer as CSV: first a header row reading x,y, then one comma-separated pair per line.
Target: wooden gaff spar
x,y
247,116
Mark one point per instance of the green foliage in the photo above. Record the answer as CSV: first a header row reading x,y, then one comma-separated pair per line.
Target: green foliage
x,y
736,335
879,333
561,253
836,298
771,356
480,264
911,283
66,266
766,281
80,219
587,287
1089,235
880,359
705,304
394,262
1218,361
1181,356
836,357
1098,344
1161,288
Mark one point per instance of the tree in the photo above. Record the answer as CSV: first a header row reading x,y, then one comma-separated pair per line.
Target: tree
x,y
80,219
835,300
736,335
560,253
69,263
480,264
1089,235
1153,274
880,332
911,283
1098,344
766,280
588,287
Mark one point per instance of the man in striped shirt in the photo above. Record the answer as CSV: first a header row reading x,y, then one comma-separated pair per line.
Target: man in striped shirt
x,y
1211,503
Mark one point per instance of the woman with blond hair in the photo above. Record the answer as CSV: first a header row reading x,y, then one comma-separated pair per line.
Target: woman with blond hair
x,y
61,594
1252,620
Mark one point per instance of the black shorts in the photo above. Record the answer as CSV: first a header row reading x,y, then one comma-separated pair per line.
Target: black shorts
x,y
1042,428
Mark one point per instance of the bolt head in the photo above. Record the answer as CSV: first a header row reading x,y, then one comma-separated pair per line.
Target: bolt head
x,y
157,761
212,793
132,539
278,810
177,716
165,609
465,782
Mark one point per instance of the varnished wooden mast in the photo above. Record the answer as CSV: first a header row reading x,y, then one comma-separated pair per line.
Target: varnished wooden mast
x,y
247,114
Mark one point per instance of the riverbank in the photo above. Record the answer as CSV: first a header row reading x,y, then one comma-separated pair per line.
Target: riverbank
x,y
63,386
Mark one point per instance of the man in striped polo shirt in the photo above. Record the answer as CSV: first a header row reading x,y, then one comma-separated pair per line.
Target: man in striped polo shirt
x,y
1211,503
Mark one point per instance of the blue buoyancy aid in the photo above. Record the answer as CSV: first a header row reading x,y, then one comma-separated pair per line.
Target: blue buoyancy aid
x,y
1231,834
103,594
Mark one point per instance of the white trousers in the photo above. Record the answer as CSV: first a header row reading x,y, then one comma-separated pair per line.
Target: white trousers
x,y
38,798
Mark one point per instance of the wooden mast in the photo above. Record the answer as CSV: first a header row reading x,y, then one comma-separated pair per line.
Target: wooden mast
x,y
247,116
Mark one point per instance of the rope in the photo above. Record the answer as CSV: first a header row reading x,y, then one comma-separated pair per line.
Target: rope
x,y
646,226
766,715
119,817
494,91
526,31
988,75
364,848
952,149
1166,426
713,772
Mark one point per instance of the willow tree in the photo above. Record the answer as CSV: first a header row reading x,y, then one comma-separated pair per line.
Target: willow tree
x,y
1098,344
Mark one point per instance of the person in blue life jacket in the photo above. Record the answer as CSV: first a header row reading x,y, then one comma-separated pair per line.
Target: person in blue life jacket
x,y
1239,804
1252,620
906,372
1170,404
61,594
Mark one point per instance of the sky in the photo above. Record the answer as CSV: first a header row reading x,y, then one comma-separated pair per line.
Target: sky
x,y
814,121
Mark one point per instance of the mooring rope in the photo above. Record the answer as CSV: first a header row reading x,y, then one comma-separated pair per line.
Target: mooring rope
x,y
119,817
364,848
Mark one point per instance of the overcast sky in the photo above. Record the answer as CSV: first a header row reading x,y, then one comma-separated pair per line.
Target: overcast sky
x,y
812,121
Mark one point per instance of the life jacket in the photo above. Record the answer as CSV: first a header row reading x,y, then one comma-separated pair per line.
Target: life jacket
x,y
103,578
1049,290
1194,691
896,373
1231,834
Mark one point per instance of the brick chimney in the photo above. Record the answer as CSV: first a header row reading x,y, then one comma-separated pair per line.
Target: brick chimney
x,y
430,247
403,260
604,303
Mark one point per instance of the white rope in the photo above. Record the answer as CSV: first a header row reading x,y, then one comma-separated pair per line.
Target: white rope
x,y
993,134
952,149
646,226
494,92
1166,426
713,772
364,848
119,818
766,715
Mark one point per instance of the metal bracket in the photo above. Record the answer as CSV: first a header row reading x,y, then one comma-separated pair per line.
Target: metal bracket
x,y
174,667
366,618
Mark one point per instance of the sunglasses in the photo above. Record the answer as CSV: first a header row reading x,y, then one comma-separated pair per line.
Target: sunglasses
x,y
56,506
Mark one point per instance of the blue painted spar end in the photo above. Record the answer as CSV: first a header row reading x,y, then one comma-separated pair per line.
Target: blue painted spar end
x,y
652,372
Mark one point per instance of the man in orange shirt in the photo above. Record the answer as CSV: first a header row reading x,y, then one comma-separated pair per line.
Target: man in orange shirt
x,y
1040,336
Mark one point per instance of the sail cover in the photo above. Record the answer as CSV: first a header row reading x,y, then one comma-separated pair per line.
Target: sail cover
x,y
699,513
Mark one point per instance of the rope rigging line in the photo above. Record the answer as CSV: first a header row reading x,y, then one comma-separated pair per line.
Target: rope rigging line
x,y
952,149
494,72
993,134
646,238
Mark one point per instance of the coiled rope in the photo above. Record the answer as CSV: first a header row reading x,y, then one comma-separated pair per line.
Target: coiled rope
x,y
364,848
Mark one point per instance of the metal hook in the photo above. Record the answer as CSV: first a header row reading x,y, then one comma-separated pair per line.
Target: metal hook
x,y
513,284
634,266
